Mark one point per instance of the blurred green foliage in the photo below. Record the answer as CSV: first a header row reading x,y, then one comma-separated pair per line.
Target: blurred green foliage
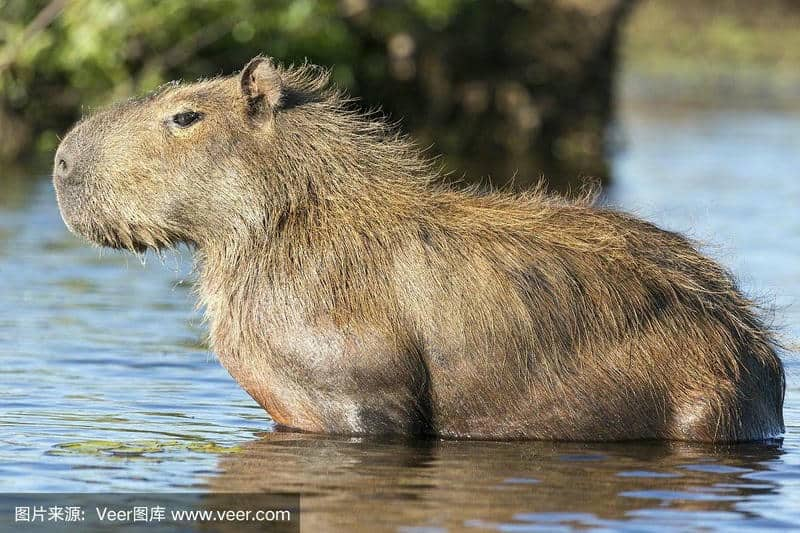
x,y
736,51
97,51
500,87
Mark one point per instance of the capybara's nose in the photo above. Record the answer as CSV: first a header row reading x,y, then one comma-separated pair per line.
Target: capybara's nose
x,y
63,166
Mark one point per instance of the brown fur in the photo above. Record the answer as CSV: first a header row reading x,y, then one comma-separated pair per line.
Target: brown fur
x,y
348,291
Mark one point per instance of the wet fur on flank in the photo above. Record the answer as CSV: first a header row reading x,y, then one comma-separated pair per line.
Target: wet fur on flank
x,y
349,291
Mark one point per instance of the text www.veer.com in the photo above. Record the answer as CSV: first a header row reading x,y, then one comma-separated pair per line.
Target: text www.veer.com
x,y
230,515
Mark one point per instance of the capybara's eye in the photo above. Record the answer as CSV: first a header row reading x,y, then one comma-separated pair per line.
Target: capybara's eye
x,y
187,118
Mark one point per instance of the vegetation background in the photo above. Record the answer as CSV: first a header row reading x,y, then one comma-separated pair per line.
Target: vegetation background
x,y
505,90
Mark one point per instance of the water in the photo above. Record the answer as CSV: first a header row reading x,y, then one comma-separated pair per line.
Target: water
x,y
105,384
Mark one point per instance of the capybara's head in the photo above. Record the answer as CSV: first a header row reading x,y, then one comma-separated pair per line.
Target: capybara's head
x,y
189,161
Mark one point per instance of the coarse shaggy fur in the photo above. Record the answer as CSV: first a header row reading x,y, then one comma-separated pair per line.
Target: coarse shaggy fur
x,y
349,291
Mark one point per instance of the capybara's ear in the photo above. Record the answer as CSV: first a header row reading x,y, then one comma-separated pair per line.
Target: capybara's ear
x,y
261,85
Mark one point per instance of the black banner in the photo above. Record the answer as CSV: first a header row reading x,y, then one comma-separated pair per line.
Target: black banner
x,y
149,512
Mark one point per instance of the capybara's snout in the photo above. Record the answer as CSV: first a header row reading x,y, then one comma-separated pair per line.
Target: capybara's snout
x,y
64,165
76,156
75,169
69,179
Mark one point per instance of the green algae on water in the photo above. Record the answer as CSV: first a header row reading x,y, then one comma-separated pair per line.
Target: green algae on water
x,y
138,448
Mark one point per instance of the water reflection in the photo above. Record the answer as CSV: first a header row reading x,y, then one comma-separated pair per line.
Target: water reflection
x,y
354,484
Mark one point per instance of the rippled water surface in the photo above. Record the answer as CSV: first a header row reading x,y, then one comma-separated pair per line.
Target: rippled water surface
x,y
105,384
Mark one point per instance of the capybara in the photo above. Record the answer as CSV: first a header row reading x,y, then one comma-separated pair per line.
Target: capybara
x,y
349,290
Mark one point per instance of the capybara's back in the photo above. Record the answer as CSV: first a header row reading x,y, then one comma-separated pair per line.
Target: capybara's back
x,y
349,292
